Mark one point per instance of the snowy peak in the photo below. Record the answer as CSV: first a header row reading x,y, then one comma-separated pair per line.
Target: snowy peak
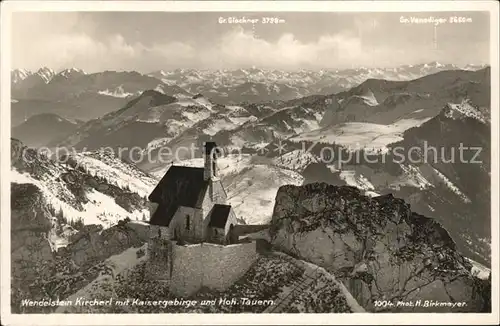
x,y
46,74
203,101
435,64
367,96
159,74
71,72
255,84
28,79
472,66
18,75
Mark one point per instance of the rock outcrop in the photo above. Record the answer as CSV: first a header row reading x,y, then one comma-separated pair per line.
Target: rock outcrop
x,y
39,272
95,244
46,196
31,254
378,247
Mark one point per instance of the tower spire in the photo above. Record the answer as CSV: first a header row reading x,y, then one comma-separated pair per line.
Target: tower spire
x,y
211,153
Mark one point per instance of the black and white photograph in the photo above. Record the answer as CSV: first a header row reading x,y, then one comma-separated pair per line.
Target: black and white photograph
x,y
220,159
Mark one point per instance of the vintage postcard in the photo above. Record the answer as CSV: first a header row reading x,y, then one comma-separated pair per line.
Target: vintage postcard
x,y
178,162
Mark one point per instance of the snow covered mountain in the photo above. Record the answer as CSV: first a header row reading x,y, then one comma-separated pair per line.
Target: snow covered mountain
x,y
379,118
74,94
423,165
23,80
67,74
43,74
91,187
255,85
149,118
377,112
384,101
371,115
154,120
18,75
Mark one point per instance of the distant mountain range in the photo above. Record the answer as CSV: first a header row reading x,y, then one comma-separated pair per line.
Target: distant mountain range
x,y
74,94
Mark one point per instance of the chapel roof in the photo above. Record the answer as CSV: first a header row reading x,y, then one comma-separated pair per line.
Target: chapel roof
x,y
180,186
219,215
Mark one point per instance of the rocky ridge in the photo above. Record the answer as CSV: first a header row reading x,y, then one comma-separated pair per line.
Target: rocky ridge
x,y
378,247
41,273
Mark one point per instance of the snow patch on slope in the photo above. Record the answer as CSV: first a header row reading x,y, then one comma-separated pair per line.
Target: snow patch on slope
x,y
358,135
196,116
101,209
296,160
156,143
117,92
119,174
356,180
200,101
412,177
466,109
219,125
368,98
107,211
451,186
242,120
478,270
252,191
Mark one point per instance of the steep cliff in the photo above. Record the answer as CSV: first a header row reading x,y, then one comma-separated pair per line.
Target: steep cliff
x,y
91,187
38,272
378,247
31,254
50,258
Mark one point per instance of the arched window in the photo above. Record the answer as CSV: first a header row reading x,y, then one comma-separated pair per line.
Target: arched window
x,y
187,222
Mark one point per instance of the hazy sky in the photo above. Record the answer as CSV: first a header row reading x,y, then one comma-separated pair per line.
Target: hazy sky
x,y
147,41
